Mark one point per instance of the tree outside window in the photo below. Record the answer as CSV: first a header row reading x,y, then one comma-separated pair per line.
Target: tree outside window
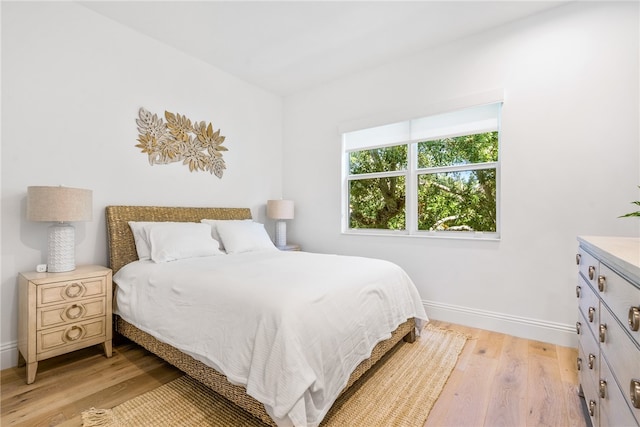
x,y
447,184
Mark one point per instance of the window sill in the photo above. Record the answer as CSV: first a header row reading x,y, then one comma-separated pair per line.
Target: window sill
x,y
479,236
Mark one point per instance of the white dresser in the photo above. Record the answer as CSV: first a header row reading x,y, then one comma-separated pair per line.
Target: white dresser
x,y
608,292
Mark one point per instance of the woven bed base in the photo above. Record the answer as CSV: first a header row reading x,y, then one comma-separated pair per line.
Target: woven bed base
x,y
237,394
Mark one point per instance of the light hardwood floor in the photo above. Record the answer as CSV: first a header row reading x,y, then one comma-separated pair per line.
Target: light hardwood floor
x,y
499,380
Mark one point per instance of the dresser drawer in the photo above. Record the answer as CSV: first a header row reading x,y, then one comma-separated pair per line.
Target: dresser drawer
x,y
622,354
588,303
623,299
588,383
72,290
75,334
68,313
588,267
613,407
591,360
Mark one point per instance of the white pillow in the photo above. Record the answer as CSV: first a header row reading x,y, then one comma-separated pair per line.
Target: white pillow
x,y
214,229
141,238
244,236
174,241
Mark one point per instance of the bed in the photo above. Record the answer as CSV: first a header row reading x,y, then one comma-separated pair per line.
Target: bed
x,y
123,254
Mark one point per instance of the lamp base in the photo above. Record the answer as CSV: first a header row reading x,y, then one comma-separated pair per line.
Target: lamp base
x,y
61,256
281,233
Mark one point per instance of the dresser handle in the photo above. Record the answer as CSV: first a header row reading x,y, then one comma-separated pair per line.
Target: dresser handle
x,y
74,290
578,257
634,318
634,389
592,359
603,332
579,363
74,333
592,408
603,389
601,281
578,325
74,311
592,312
592,272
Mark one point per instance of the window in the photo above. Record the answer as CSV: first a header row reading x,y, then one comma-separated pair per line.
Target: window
x,y
437,175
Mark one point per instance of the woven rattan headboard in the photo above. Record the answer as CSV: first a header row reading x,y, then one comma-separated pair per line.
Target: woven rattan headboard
x,y
122,248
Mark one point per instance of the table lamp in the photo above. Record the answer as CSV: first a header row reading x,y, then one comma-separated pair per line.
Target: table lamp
x,y
280,210
60,205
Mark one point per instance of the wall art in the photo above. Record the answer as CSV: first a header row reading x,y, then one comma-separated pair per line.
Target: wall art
x,y
194,144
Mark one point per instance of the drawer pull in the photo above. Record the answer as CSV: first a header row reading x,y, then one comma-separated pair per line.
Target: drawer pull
x,y
603,332
579,363
592,359
592,312
601,281
603,389
578,325
73,333
634,389
74,311
592,272
592,408
578,257
74,290
634,318
578,291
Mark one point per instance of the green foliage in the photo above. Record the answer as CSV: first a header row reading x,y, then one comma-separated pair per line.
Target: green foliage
x,y
457,201
378,202
630,214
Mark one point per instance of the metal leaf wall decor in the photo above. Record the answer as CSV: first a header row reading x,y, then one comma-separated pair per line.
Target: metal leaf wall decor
x,y
194,144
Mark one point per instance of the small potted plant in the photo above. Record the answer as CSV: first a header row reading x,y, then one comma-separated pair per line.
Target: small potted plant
x,y
636,213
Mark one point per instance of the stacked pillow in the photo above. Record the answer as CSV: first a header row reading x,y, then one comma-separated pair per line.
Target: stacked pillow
x,y
171,241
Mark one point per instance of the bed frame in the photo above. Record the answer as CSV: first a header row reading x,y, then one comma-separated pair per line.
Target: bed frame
x,y
122,250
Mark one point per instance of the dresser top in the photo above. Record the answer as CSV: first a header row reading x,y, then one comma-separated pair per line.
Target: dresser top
x,y
620,253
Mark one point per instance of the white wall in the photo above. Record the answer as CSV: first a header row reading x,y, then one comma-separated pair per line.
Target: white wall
x,y
72,84
570,162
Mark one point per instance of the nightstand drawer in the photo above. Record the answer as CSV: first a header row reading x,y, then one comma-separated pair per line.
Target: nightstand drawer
x,y
70,335
71,290
69,313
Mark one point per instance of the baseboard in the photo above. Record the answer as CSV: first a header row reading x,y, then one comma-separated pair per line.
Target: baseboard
x,y
9,355
524,327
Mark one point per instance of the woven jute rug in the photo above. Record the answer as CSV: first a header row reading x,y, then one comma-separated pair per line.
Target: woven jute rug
x,y
399,391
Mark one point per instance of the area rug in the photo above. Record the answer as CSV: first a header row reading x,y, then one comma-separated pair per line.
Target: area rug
x,y
399,391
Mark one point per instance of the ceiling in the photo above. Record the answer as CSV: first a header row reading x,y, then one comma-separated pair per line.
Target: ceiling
x,y
287,46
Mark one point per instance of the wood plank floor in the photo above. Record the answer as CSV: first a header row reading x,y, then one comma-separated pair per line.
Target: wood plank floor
x,y
499,380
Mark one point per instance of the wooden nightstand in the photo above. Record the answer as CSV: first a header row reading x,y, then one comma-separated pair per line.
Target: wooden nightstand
x,y
290,247
62,312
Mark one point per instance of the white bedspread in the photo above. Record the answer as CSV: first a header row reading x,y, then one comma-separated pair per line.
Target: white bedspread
x,y
289,326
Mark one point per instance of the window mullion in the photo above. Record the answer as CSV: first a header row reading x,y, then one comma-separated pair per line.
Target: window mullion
x,y
411,202
376,175
458,168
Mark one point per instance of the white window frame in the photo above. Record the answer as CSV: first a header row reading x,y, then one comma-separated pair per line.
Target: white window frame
x,y
411,181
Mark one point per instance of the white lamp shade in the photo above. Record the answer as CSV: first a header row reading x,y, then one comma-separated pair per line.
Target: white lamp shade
x,y
280,209
59,204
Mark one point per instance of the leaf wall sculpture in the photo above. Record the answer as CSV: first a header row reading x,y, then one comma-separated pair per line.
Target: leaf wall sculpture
x,y
194,144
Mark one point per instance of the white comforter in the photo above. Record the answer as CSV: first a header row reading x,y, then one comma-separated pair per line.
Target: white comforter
x,y
289,326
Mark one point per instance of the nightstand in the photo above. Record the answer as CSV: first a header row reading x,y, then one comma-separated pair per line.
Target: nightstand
x,y
62,312
290,247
